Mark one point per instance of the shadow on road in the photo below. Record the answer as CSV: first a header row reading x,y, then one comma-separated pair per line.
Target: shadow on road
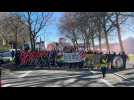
x,y
51,81
67,81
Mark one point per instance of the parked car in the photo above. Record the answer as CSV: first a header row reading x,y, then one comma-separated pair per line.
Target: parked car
x,y
5,56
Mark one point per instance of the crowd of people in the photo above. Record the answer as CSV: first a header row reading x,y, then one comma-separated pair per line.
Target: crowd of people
x,y
107,60
92,58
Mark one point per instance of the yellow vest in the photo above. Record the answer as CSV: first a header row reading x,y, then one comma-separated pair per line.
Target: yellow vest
x,y
104,63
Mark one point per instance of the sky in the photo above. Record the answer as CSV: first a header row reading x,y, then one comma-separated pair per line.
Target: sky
x,y
53,34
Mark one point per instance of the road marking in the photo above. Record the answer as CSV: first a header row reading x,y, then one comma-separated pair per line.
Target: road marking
x,y
131,86
25,84
51,78
47,79
106,82
123,77
69,81
25,74
120,76
117,77
6,85
94,72
91,77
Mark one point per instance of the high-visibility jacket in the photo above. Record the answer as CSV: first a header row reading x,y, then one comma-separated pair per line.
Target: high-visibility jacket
x,y
104,63
60,59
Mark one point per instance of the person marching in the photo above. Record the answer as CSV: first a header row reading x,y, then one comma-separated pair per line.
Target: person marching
x,y
104,65
60,60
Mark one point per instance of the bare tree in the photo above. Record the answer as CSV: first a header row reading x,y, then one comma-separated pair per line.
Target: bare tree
x,y
107,27
36,22
13,29
68,26
117,20
92,25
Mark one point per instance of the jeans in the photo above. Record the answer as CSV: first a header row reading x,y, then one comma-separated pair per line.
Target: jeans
x,y
103,69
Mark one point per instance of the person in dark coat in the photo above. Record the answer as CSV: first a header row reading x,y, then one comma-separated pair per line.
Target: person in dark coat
x,y
17,57
12,53
124,58
112,58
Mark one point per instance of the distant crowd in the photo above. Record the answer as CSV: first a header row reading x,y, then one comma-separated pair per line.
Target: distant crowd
x,y
91,58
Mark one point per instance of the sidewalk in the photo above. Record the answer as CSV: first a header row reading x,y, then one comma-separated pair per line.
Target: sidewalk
x,y
130,64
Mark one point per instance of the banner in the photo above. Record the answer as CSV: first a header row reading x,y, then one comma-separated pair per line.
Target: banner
x,y
72,57
117,62
26,57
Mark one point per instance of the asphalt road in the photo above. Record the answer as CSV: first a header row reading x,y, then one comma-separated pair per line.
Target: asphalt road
x,y
62,78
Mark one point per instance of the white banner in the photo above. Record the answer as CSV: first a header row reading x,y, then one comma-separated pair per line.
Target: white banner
x,y
72,57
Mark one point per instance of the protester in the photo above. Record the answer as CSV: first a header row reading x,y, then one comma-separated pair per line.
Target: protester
x,y
97,61
124,58
91,59
17,57
60,60
112,58
104,65
47,59
13,54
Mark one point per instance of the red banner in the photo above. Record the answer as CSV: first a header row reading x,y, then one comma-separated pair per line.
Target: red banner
x,y
25,57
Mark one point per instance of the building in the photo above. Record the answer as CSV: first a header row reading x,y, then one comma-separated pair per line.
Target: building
x,y
40,45
51,46
58,45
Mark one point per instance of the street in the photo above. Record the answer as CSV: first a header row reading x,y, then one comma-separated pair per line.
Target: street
x,y
66,78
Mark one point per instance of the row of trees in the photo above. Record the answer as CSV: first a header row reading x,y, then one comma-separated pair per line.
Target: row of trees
x,y
89,26
21,27
12,30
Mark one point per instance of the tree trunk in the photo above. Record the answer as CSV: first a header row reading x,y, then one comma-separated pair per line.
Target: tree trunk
x,y
106,35
88,45
4,42
16,42
31,40
107,42
16,54
93,43
34,43
119,33
100,42
84,42
30,30
75,40
77,45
